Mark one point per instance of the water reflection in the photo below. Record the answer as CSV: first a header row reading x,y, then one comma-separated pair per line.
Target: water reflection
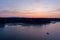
x,y
2,25
30,24
26,31
27,24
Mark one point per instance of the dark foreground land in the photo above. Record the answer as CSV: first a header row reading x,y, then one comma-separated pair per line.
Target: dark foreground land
x,y
28,20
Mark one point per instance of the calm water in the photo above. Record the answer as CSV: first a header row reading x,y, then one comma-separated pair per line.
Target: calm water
x,y
30,31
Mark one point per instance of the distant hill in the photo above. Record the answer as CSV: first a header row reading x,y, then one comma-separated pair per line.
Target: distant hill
x,y
26,20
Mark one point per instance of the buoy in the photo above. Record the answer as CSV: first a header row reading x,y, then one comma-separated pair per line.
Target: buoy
x,y
47,33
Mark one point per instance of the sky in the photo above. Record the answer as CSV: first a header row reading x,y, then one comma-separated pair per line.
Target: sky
x,y
30,8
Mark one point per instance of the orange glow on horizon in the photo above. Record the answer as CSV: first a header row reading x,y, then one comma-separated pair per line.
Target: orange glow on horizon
x,y
31,15
38,15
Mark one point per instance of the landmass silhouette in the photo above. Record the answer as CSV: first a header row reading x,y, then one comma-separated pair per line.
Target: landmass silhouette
x,y
28,21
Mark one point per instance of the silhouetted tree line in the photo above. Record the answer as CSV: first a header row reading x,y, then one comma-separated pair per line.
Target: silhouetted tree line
x,y
27,20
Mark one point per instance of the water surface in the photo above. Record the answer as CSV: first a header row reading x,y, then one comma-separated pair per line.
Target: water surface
x,y
50,31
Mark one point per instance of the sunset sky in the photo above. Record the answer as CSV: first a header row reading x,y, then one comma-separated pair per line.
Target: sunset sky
x,y
30,8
